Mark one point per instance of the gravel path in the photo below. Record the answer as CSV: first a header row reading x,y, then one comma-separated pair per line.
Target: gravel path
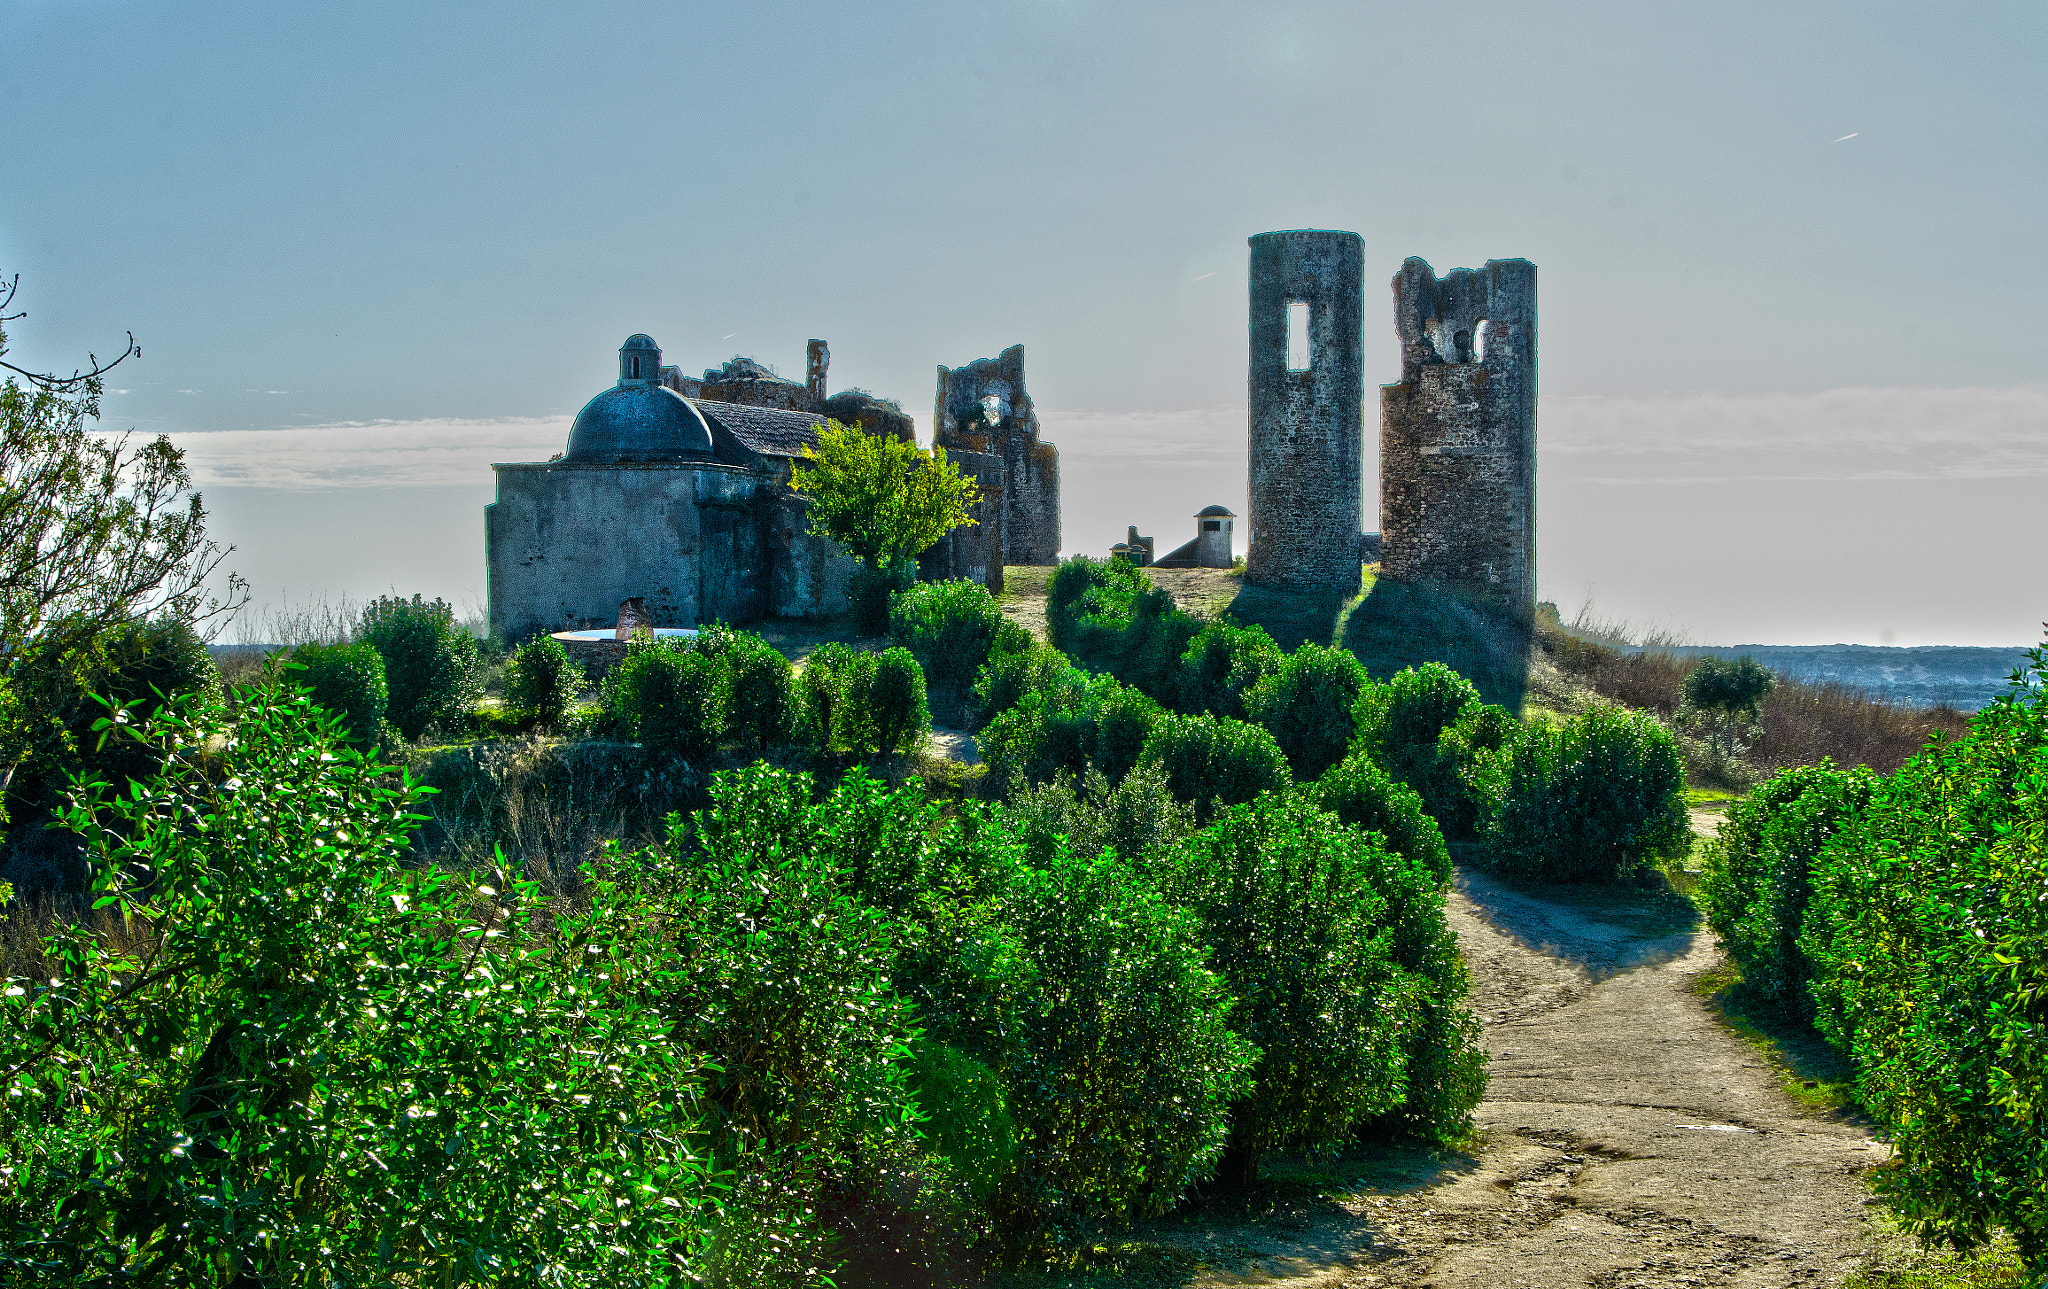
x,y
1628,1138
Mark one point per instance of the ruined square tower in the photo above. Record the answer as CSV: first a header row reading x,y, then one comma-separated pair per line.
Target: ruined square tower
x,y
1305,388
1458,433
984,418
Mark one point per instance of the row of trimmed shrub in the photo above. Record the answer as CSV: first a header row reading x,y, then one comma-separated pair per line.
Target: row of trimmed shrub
x,y
724,687
1907,917
1596,798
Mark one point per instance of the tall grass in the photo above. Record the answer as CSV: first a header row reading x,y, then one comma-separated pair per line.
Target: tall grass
x,y
1801,721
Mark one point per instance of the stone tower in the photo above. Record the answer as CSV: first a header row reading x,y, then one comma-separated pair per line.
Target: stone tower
x,y
983,417
1458,433
1306,387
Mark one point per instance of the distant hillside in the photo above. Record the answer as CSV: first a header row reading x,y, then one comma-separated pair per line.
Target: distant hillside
x,y
1958,675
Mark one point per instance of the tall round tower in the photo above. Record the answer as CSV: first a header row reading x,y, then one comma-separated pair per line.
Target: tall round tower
x,y
1306,385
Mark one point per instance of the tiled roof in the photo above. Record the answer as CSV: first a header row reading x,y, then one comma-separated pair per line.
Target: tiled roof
x,y
766,431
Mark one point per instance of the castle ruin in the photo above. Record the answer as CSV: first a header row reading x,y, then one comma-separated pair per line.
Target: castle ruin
x,y
983,417
1457,432
1306,387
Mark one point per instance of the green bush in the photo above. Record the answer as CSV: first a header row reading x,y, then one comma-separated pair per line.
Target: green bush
x,y
1307,707
1595,799
763,706
821,689
348,680
782,979
136,665
1135,817
1082,965
1402,722
1008,676
328,1065
1210,761
1288,907
1110,617
950,628
1446,1070
670,697
430,663
1464,752
1065,726
1123,720
542,682
1928,935
1757,878
891,694
1361,794
1222,663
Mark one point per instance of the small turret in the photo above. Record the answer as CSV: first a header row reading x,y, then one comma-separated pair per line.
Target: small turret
x,y
639,361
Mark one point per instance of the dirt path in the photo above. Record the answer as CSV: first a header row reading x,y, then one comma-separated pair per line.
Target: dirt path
x,y
1628,1138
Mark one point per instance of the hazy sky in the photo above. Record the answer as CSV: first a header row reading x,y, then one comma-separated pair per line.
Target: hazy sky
x,y
1794,374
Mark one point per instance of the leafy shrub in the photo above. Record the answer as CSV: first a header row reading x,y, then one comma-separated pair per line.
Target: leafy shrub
x,y
1222,663
1288,907
430,663
670,697
135,664
1135,817
1401,723
1110,617
1064,727
1124,720
782,979
348,680
250,1050
1008,676
542,681
764,706
1307,707
1595,799
1928,936
891,695
1210,761
1758,874
1082,965
1361,794
1446,1071
1464,751
950,628
821,689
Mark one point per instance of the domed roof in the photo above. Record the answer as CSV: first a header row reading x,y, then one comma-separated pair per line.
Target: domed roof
x,y
638,422
1215,512
640,340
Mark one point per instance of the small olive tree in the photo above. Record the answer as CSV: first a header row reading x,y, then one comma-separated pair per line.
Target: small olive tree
x,y
885,500
94,533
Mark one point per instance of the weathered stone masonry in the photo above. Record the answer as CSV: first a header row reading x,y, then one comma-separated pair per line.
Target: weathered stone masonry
x,y
983,417
1305,386
1458,433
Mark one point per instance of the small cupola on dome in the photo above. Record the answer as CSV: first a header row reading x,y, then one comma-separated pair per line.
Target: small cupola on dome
x,y
639,361
640,418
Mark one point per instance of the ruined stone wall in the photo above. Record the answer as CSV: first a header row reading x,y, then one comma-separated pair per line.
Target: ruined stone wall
x,y
983,407
1306,437
566,542
973,551
1458,433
